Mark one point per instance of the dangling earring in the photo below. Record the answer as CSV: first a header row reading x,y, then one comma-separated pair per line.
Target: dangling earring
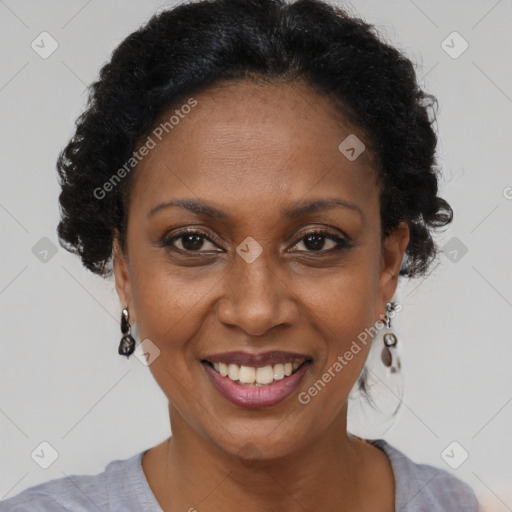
x,y
389,353
127,344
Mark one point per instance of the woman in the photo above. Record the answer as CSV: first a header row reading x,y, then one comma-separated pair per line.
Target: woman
x,y
256,175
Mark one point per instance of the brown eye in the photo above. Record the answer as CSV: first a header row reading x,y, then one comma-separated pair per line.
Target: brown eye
x,y
190,241
314,241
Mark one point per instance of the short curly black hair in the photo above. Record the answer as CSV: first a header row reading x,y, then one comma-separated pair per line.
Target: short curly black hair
x,y
186,49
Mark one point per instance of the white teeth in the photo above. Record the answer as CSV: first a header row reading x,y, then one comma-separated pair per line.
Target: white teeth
x,y
264,375
223,369
248,375
233,370
278,371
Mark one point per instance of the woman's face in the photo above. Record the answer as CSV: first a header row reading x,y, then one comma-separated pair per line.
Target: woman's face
x,y
256,279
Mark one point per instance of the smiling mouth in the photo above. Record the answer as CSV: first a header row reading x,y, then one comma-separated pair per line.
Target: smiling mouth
x,y
251,376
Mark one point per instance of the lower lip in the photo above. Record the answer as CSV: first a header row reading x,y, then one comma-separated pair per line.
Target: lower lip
x,y
252,397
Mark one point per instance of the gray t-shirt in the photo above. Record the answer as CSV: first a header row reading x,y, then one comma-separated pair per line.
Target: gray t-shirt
x,y
122,487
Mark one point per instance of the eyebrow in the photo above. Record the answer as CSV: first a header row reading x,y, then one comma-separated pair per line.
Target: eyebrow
x,y
294,210
303,207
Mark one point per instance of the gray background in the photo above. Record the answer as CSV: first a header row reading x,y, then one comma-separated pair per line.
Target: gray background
x,y
61,379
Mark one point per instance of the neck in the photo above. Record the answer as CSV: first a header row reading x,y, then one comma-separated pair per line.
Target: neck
x,y
194,473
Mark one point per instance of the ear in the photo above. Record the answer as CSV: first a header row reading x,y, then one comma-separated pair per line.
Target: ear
x,y
122,277
393,249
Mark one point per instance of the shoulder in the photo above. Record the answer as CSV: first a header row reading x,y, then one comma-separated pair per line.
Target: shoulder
x,y
71,493
76,493
422,487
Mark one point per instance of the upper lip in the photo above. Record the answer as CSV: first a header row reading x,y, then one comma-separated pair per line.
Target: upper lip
x,y
257,360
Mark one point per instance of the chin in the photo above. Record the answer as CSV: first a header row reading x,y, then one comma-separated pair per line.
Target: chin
x,y
262,439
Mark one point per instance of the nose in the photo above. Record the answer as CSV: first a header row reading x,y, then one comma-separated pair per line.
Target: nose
x,y
256,298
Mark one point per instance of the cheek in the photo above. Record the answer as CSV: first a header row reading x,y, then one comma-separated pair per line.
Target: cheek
x,y
170,307
343,301
342,309
166,295
340,360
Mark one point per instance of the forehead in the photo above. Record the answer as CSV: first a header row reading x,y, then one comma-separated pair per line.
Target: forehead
x,y
245,141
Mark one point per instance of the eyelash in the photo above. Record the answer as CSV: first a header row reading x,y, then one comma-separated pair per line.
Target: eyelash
x,y
341,243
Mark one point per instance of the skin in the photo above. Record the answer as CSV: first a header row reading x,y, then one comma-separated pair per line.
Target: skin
x,y
250,150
